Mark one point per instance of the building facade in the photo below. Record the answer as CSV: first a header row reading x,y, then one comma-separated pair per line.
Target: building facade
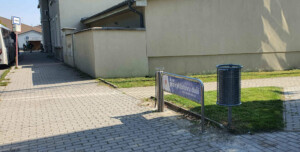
x,y
30,36
65,14
134,37
28,33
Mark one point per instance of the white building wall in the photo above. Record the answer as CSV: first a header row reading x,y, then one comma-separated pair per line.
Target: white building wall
x,y
32,35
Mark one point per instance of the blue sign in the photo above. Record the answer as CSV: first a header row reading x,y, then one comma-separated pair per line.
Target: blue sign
x,y
16,20
185,88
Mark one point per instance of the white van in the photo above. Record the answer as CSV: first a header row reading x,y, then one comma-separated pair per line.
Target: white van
x,y
7,46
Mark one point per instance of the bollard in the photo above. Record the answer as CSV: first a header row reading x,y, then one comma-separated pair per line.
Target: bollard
x,y
159,91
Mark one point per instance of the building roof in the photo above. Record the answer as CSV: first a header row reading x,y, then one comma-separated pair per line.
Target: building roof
x,y
25,28
124,3
4,27
30,31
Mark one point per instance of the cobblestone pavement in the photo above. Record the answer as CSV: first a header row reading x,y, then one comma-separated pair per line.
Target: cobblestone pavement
x,y
50,107
292,108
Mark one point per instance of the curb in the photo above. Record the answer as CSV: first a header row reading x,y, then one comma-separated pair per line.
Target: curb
x,y
108,83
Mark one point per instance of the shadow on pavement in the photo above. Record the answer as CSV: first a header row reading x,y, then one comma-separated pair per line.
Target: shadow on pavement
x,y
47,70
135,133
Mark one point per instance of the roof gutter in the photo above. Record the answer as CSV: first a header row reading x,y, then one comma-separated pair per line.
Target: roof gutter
x,y
119,6
130,3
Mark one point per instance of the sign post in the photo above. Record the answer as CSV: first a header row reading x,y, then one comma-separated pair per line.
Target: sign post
x,y
187,87
17,52
16,22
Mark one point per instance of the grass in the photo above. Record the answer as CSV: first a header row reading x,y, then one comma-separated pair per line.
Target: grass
x,y
261,109
2,78
144,81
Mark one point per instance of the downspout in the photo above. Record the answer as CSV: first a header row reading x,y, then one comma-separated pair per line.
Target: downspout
x,y
130,3
49,23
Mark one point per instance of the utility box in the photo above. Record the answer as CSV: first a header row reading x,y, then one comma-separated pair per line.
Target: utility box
x,y
229,85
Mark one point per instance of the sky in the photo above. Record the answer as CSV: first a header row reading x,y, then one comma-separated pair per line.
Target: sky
x,y
25,9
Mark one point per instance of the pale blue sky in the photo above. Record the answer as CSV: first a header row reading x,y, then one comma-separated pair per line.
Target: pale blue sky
x,y
26,9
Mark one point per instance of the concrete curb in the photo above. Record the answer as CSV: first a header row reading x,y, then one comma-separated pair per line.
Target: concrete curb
x,y
108,83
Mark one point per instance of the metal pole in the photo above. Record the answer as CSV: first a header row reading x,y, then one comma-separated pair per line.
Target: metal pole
x,y
73,49
202,109
17,63
229,117
160,92
156,88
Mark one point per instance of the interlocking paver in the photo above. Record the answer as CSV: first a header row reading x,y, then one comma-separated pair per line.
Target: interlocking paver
x,y
292,108
50,107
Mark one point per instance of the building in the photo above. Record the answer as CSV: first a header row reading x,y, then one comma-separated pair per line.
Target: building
x,y
34,37
134,37
32,34
66,14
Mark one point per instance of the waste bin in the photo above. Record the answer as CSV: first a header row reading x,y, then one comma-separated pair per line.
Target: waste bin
x,y
229,85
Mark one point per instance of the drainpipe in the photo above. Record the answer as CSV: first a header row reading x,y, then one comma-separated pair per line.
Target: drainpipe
x,y
49,23
130,3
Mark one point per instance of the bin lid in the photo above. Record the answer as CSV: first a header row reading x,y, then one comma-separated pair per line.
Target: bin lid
x,y
229,66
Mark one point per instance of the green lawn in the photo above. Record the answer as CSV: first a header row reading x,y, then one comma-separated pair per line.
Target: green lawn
x,y
2,78
261,109
143,82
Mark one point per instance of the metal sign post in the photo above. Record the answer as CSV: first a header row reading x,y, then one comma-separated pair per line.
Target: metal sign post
x,y
160,91
187,87
17,53
16,22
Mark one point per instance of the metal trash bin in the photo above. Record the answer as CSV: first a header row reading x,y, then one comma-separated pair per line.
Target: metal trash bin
x,y
229,85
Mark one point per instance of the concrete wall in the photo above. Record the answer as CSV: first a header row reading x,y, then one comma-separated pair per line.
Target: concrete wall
x,y
69,51
207,64
108,53
32,35
120,53
192,36
68,13
84,52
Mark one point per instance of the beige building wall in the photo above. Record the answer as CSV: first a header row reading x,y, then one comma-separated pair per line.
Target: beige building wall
x,y
70,13
108,53
189,65
120,53
68,51
193,36
84,52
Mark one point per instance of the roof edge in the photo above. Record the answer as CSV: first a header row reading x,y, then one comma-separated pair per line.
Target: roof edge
x,y
30,31
110,28
122,4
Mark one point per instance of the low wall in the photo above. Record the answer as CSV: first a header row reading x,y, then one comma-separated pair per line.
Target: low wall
x,y
120,53
84,52
108,52
68,51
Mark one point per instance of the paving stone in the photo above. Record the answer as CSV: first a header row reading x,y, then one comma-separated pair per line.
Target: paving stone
x,y
51,107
